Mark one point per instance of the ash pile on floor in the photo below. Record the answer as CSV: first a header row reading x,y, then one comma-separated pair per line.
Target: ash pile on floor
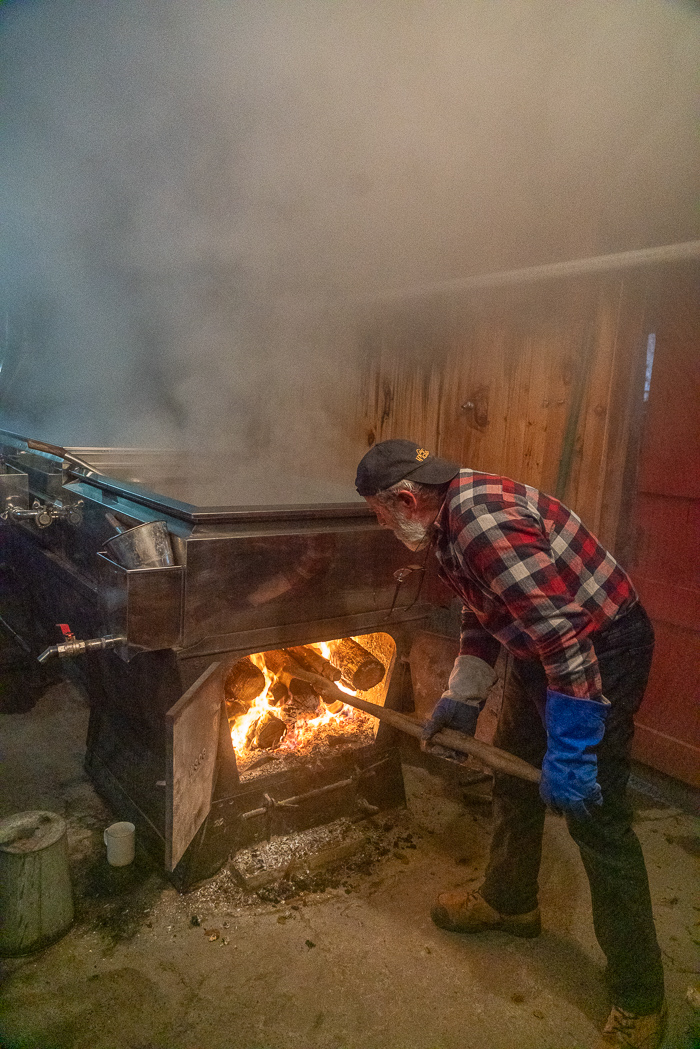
x,y
293,866
291,855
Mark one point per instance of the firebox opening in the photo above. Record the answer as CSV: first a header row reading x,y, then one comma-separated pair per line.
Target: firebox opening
x,y
285,705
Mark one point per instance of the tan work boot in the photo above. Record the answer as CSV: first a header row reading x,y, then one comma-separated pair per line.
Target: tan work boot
x,y
469,912
631,1030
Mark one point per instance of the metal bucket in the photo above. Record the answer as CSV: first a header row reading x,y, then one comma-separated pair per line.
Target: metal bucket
x,y
145,546
36,897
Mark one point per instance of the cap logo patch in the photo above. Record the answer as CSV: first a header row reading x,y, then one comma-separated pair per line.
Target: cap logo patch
x,y
421,454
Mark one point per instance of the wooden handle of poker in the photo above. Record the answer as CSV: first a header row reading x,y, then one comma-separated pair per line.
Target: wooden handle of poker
x,y
489,755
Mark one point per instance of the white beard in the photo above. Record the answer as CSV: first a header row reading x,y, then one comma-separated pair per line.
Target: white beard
x,y
411,533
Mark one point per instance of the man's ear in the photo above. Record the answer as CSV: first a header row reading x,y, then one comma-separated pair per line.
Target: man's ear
x,y
407,500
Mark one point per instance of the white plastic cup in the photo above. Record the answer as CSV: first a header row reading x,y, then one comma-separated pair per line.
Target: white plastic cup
x,y
120,842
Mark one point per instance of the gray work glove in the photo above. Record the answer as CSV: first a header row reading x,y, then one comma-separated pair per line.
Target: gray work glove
x,y
459,707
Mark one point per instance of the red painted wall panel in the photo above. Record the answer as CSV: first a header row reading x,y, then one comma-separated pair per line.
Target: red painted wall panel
x,y
667,562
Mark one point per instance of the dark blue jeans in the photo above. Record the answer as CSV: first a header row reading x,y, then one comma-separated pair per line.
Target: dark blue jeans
x,y
610,850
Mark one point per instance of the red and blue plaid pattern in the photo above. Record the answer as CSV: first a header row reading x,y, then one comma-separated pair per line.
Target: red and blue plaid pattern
x,y
531,576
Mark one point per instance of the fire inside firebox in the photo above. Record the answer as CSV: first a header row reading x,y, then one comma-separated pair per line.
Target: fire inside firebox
x,y
283,706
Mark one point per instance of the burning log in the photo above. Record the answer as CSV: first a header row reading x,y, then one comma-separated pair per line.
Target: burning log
x,y
242,685
280,666
277,694
266,733
334,705
270,732
358,667
303,695
308,658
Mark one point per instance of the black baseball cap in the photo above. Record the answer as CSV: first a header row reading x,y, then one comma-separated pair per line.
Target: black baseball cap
x,y
397,460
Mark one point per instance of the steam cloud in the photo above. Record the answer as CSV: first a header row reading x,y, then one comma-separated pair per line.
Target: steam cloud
x,y
194,187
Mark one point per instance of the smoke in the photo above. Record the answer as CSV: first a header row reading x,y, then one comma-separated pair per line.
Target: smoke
x,y
193,190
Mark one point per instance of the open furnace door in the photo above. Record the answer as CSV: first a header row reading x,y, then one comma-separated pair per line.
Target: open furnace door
x,y
192,728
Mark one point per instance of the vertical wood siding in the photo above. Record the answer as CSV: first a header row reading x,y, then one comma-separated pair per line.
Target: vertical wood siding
x,y
540,384
546,384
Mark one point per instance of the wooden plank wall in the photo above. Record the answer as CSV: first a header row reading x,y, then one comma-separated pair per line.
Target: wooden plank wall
x,y
543,384
666,563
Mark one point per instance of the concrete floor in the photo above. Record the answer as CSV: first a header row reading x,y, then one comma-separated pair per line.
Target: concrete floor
x,y
353,962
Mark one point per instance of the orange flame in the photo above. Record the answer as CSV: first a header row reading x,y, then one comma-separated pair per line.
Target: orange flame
x,y
298,733
241,726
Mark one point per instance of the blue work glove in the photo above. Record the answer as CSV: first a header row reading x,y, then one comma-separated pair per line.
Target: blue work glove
x,y
454,714
459,707
574,728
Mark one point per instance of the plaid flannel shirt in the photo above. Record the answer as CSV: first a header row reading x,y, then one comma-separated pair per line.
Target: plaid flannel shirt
x,y
531,576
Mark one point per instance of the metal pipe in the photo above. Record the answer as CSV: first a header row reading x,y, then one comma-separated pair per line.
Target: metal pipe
x,y
44,514
39,513
297,799
623,260
294,802
77,648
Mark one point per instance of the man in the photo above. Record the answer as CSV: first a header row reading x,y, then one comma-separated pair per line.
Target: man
x,y
533,579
